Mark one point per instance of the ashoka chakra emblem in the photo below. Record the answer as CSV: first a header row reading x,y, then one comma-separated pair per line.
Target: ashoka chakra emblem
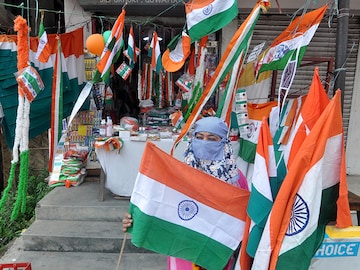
x,y
187,209
299,217
208,10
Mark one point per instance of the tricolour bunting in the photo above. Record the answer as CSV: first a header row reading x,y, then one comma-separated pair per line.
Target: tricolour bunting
x,y
296,36
308,197
180,212
261,199
204,17
112,48
73,75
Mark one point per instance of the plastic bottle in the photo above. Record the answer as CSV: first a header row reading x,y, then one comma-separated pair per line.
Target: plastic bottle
x,y
109,127
102,129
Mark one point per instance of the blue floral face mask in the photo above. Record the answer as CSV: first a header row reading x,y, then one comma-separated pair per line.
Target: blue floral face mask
x,y
208,150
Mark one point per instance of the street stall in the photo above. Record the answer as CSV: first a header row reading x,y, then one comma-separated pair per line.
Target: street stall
x,y
291,150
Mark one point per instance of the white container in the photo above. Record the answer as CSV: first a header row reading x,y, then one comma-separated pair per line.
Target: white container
x,y
109,127
102,129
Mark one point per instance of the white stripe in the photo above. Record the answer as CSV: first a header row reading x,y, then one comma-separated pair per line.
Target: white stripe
x,y
198,15
292,44
324,174
156,199
260,179
8,46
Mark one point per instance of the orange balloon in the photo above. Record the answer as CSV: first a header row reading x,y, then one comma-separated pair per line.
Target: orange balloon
x,y
95,44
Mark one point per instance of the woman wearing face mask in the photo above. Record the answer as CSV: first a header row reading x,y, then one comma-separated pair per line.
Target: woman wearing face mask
x,y
210,151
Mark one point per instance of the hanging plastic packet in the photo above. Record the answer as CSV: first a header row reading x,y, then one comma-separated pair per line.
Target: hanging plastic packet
x,y
242,112
185,82
30,82
124,70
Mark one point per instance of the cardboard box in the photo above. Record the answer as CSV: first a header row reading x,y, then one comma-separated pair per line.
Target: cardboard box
x,y
339,250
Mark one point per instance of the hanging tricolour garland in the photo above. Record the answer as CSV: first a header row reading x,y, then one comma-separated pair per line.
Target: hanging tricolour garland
x,y
21,141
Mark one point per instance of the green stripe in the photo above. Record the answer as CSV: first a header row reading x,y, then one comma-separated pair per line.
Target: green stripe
x,y
281,63
259,207
247,150
301,255
254,239
173,240
258,210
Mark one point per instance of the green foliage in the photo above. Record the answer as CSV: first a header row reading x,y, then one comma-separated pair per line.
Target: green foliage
x,y
37,188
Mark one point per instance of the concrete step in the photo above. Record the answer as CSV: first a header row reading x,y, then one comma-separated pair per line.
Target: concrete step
x,y
77,236
81,203
41,260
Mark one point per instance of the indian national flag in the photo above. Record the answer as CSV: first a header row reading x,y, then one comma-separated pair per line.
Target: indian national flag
x,y
261,199
314,192
112,48
155,54
44,50
180,212
295,37
132,51
204,17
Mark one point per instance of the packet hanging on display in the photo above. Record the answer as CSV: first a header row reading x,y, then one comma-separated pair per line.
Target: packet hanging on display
x,y
30,82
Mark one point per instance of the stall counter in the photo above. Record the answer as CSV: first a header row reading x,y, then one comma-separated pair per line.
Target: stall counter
x,y
121,168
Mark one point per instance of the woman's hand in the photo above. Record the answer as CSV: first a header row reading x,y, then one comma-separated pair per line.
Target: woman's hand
x,y
127,222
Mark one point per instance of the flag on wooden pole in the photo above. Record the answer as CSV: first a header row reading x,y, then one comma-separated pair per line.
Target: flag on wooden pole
x,y
56,106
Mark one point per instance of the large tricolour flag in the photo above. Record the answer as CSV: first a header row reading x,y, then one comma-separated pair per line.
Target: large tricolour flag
x,y
296,36
179,211
207,16
112,48
314,192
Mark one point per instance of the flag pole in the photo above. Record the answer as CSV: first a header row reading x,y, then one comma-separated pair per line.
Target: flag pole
x,y
121,251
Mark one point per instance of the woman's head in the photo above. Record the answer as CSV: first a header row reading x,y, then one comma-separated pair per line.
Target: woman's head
x,y
210,135
210,128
